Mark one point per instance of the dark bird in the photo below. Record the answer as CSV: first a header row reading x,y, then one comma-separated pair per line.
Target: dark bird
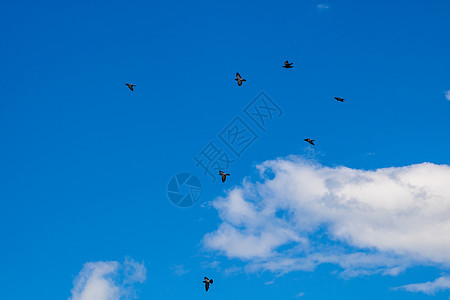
x,y
130,86
310,141
339,99
224,175
207,282
287,65
239,79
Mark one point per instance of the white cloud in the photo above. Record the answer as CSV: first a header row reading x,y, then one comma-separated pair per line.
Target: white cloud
x,y
179,270
303,214
447,95
107,280
430,287
323,6
301,294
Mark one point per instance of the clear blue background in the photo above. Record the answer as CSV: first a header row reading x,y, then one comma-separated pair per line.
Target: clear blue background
x,y
84,162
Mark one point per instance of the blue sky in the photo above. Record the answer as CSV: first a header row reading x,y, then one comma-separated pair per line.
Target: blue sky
x,y
85,162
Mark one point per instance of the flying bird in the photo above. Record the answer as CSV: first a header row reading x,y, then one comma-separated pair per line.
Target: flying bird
x,y
239,79
339,99
310,141
130,86
224,175
207,282
287,65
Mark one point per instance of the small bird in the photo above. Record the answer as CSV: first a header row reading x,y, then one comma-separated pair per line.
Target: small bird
x,y
310,141
239,79
224,175
130,86
207,282
339,99
287,65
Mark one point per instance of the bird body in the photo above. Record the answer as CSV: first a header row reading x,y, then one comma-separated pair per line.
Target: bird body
x,y
130,86
239,79
339,99
310,141
207,282
224,175
287,65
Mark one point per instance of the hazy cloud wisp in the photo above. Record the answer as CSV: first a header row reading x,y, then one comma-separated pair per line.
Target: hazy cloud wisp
x,y
430,287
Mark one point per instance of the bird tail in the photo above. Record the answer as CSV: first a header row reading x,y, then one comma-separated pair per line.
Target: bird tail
x,y
211,281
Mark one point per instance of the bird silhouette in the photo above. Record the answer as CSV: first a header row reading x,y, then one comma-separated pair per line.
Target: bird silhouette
x,y
310,141
130,86
287,65
239,79
339,99
224,175
207,282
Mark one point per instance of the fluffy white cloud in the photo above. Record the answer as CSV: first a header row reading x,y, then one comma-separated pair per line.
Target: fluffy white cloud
x,y
447,95
107,280
430,287
303,214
